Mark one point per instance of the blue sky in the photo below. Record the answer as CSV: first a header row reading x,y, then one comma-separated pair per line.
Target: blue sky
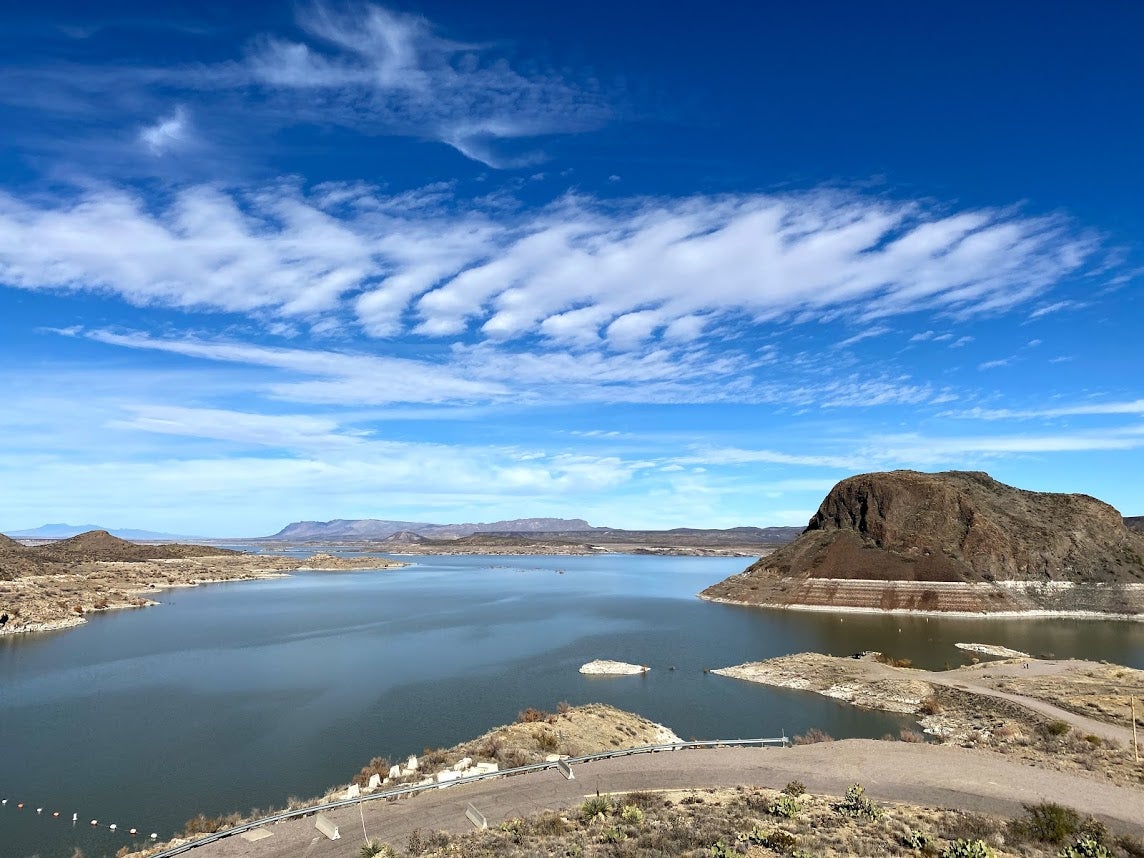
x,y
653,265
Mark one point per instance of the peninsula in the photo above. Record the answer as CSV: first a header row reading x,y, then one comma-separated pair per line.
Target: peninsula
x,y
56,585
951,543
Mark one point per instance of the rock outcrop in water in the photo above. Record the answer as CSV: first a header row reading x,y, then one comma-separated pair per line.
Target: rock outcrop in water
x,y
953,541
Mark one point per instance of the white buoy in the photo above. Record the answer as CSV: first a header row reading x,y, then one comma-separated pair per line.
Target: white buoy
x,y
39,810
95,822
154,836
132,831
75,818
5,801
112,826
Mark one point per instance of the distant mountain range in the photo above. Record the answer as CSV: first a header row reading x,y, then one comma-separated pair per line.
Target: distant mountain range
x,y
66,531
373,528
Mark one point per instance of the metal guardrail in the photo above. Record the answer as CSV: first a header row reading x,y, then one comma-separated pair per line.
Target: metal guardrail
x,y
412,790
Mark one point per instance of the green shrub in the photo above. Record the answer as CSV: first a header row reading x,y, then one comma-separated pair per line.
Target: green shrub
x,y
631,814
968,849
857,805
593,806
785,805
1086,847
915,839
795,788
1047,822
373,849
614,835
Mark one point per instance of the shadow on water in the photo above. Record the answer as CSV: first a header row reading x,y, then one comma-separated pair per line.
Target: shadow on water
x,y
232,696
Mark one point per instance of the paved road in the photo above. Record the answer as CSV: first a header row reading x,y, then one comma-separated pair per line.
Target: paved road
x,y
934,775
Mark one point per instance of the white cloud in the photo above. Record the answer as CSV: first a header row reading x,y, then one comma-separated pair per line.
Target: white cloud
x,y
382,71
1132,407
995,364
167,134
579,273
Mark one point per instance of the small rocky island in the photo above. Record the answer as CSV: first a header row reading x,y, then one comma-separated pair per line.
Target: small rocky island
x,y
957,542
604,667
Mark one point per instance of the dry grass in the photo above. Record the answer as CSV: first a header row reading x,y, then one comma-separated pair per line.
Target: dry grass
x,y
741,821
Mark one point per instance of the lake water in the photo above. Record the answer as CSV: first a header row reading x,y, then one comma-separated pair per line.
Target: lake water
x,y
234,696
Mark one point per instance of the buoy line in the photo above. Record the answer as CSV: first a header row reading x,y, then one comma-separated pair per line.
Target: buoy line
x,y
95,823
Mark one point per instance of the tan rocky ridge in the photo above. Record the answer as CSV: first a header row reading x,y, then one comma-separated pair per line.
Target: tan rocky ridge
x,y
952,541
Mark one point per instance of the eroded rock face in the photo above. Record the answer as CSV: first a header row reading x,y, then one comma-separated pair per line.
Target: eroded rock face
x,y
957,540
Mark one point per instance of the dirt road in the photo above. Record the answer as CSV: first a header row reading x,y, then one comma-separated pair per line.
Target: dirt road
x,y
932,775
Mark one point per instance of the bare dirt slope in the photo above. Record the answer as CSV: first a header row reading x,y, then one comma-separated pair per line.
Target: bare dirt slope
x,y
952,541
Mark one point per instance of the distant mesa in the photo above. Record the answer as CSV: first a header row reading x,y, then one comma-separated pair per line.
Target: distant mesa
x,y
405,537
379,529
64,531
953,541
1135,523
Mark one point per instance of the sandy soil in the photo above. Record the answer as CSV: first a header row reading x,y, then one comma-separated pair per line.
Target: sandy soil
x,y
37,603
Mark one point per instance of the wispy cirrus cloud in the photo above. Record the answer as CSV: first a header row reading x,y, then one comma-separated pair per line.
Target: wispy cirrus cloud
x,y
360,66
580,273
168,133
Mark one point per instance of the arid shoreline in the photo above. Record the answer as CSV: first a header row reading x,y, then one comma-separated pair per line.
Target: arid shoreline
x,y
52,602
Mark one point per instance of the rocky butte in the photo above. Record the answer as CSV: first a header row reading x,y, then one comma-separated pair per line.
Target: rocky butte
x,y
952,542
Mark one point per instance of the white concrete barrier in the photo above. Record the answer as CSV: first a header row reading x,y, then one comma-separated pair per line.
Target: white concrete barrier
x,y
374,781
476,817
326,826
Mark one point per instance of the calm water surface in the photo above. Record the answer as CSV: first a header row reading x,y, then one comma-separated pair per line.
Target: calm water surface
x,y
234,696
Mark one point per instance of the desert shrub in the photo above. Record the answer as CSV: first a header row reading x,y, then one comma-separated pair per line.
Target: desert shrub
x,y
915,839
778,840
1053,729
643,800
512,758
785,805
930,706
595,805
1047,822
1086,847
795,788
203,824
546,740
857,805
563,707
533,716
373,848
550,824
613,835
812,736
968,849
376,766
432,758
971,826
490,746
908,735
632,814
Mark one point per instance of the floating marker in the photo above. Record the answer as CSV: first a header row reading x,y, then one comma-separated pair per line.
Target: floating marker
x,y
20,806
39,810
5,801
154,836
112,826
55,813
95,822
132,831
75,818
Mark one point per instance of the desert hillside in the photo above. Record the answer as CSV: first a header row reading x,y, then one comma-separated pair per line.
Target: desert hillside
x,y
956,540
